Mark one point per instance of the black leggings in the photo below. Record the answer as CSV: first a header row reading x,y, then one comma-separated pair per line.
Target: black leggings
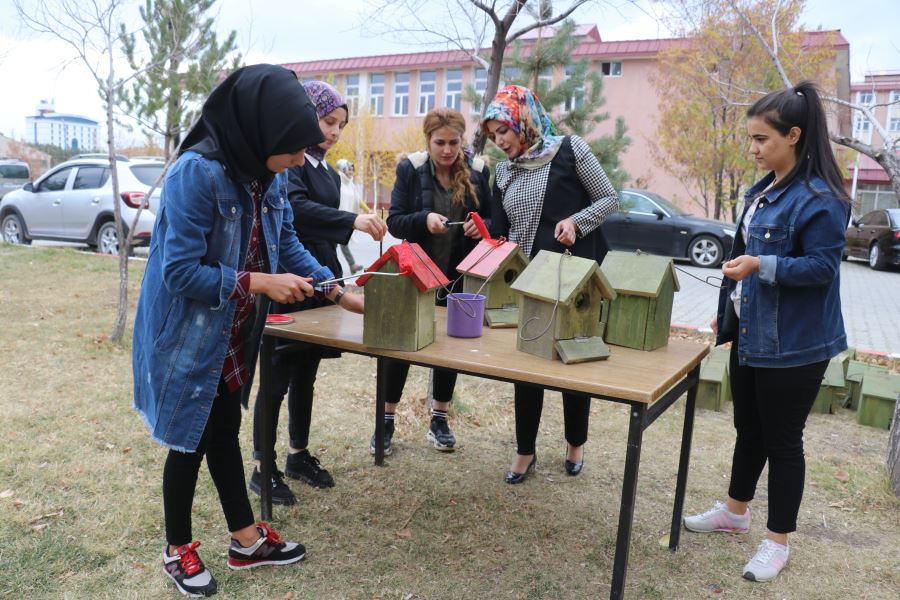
x,y
293,374
220,444
396,372
529,402
770,411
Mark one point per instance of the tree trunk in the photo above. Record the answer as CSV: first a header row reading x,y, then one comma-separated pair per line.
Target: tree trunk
x,y
893,453
122,306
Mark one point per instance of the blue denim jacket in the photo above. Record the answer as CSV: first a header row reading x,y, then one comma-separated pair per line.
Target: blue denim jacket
x,y
791,308
184,317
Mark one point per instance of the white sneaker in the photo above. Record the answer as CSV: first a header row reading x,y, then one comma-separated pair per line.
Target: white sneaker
x,y
718,519
769,560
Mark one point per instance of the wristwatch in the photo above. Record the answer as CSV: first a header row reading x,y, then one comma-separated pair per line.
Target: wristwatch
x,y
338,296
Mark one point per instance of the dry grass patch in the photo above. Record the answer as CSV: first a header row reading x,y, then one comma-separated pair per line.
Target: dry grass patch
x,y
81,500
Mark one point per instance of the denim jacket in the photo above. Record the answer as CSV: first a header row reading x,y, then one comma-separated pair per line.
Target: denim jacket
x,y
184,315
791,308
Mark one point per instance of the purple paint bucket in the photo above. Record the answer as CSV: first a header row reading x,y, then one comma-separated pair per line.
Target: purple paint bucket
x,y
465,315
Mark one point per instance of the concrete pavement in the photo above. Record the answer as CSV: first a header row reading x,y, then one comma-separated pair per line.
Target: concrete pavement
x,y
870,299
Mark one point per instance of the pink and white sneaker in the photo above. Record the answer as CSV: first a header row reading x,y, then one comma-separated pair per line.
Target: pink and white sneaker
x,y
769,560
718,519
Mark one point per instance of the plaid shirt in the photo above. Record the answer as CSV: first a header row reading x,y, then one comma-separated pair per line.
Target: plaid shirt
x,y
234,371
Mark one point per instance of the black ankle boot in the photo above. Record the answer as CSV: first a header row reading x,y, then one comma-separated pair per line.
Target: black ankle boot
x,y
514,478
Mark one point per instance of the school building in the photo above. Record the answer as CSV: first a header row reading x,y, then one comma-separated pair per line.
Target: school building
x,y
399,89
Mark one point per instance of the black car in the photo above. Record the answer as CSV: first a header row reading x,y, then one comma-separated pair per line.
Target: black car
x,y
876,238
648,222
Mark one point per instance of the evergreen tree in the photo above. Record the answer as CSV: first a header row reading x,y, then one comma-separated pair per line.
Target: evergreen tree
x,y
183,63
576,100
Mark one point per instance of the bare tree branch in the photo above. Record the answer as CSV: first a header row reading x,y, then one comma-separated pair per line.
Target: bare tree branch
x,y
546,22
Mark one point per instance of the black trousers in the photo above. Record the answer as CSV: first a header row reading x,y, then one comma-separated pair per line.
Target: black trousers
x,y
529,401
770,411
293,374
396,372
219,443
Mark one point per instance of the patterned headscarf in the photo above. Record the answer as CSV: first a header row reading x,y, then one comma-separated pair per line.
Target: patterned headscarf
x,y
327,100
519,109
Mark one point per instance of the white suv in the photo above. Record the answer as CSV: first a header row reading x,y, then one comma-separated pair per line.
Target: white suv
x,y
74,202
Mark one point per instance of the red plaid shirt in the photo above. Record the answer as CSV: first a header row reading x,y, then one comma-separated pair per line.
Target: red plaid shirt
x,y
234,372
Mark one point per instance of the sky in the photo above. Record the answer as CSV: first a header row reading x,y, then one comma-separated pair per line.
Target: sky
x,y
34,68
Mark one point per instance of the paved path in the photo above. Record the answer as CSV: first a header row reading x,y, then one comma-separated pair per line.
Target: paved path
x,y
870,299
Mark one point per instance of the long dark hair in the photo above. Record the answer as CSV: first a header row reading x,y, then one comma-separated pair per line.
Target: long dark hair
x,y
801,106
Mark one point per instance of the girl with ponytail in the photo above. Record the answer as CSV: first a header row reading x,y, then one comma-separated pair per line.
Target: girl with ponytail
x,y
433,188
780,308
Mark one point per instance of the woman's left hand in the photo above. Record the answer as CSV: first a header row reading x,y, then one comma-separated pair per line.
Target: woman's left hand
x,y
565,232
740,267
351,302
470,230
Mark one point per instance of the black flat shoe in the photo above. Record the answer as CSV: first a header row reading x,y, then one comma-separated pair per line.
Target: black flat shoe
x,y
574,468
514,478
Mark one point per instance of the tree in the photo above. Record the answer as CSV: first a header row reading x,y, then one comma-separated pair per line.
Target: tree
x,y
466,26
182,65
708,81
578,97
886,155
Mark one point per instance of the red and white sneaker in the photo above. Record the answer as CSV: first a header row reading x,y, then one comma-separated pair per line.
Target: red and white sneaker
x,y
269,549
186,569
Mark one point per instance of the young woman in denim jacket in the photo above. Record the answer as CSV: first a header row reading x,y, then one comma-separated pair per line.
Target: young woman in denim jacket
x,y
780,308
223,229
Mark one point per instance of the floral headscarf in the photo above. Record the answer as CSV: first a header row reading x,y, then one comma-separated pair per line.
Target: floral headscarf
x,y
327,100
519,109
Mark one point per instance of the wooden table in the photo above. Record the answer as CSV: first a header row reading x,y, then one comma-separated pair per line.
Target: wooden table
x,y
649,382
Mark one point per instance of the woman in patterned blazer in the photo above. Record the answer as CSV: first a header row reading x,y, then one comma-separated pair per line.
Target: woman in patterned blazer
x,y
550,194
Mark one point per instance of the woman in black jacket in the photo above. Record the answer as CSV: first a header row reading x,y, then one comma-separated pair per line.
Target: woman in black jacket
x,y
551,194
314,191
433,188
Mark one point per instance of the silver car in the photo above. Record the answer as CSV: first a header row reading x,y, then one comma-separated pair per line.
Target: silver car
x,y
74,202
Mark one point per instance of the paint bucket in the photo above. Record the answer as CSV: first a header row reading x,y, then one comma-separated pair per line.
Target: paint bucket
x,y
465,315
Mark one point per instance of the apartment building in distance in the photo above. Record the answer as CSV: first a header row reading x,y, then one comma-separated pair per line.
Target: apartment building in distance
x,y
880,90
399,89
70,132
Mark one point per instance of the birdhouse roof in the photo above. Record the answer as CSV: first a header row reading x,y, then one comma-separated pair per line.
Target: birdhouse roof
x,y
413,263
639,274
551,275
488,256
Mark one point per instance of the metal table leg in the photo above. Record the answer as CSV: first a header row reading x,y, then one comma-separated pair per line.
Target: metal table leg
x,y
683,462
629,490
265,467
380,397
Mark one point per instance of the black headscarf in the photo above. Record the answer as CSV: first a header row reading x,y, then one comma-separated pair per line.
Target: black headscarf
x,y
258,111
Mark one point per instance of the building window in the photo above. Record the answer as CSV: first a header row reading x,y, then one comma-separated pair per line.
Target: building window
x,y
545,79
862,127
376,94
480,84
865,98
611,69
427,91
577,99
401,94
508,74
453,88
351,95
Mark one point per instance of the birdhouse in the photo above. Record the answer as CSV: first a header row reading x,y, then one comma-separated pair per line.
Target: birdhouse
x,y
877,399
641,313
833,389
714,387
856,372
490,269
559,307
400,304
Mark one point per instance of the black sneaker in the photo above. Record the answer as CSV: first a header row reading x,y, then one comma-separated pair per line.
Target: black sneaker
x,y
306,467
440,436
269,549
281,493
188,572
388,435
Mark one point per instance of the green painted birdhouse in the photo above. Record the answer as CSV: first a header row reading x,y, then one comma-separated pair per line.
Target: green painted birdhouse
x,y
490,269
833,389
714,388
877,399
559,307
641,313
856,372
400,308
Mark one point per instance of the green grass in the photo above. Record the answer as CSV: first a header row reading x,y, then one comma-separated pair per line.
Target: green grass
x,y
81,503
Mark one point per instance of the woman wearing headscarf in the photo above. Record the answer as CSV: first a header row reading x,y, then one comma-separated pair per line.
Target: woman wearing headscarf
x,y
223,229
314,192
351,201
550,194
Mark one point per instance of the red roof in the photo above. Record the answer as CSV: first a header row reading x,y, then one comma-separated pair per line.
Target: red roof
x,y
486,257
869,171
587,49
414,263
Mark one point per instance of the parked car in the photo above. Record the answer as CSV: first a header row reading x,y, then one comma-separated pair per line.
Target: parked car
x,y
13,175
74,202
648,222
876,238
